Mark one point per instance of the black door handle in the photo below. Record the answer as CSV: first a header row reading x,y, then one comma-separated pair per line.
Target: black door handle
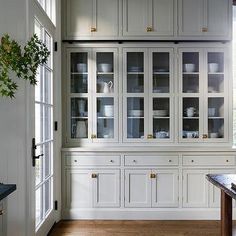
x,y
34,157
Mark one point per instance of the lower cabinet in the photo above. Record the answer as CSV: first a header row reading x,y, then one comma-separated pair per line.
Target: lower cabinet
x,y
92,188
151,188
3,218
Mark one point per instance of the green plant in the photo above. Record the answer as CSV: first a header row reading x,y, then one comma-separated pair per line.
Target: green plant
x,y
23,62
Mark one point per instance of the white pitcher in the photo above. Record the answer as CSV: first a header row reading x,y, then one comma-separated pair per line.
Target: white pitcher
x,y
107,87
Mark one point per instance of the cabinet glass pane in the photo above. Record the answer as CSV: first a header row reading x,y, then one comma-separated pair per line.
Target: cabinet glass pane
x,y
105,118
215,72
105,72
190,118
161,121
135,72
160,70
135,119
216,117
79,118
190,83
79,72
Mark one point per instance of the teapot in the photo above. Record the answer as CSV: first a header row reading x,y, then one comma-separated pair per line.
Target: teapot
x,y
106,87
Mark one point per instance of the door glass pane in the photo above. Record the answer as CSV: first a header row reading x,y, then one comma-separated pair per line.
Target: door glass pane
x,y
79,118
38,210
105,72
105,117
38,166
135,119
48,197
79,72
135,72
215,72
190,80
216,117
161,119
190,118
161,73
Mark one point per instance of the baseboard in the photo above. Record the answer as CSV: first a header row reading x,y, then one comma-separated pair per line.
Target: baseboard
x,y
144,214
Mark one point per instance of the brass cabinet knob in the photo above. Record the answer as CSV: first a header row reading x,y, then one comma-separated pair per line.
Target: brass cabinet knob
x,y
93,29
170,160
227,160
149,29
152,176
93,136
94,176
149,136
204,29
111,161
1,212
204,136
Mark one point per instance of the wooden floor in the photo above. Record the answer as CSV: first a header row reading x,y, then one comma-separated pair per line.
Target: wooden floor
x,y
138,228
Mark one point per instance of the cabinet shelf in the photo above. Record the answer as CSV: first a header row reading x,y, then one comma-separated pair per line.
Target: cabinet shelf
x,y
79,73
190,73
105,73
161,117
79,117
135,117
190,118
135,73
215,117
161,73
105,117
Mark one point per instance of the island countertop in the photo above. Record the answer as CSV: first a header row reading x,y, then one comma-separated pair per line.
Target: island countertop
x,y
6,189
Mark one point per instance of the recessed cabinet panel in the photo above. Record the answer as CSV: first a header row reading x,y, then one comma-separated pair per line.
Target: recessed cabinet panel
x,y
79,17
195,188
191,17
137,188
165,188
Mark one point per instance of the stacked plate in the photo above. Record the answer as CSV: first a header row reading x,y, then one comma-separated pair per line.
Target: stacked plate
x,y
160,113
136,113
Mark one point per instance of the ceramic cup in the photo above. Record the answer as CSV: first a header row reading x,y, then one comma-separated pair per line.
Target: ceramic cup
x,y
211,111
213,135
213,67
190,111
189,67
81,67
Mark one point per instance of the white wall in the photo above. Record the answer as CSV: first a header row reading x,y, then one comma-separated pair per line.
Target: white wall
x,y
13,125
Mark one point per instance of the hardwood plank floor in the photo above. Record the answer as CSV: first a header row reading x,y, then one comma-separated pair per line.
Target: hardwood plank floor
x,y
137,228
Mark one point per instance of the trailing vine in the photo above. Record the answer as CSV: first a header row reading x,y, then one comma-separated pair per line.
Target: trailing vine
x,y
23,62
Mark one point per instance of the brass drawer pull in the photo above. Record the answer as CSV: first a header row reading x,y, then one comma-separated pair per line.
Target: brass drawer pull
x,y
152,176
1,212
204,29
149,136
204,136
94,176
149,29
93,136
93,29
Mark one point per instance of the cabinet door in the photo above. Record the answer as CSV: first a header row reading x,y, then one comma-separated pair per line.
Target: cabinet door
x,y
214,192
191,17
137,188
218,17
195,188
106,18
1,219
79,18
162,17
78,189
135,17
165,188
106,188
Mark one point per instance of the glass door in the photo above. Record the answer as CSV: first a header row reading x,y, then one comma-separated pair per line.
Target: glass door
x,y
215,95
106,96
160,94
135,86
78,99
191,94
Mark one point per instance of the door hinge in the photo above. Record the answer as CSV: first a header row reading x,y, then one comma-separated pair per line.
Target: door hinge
x,y
56,205
55,125
55,46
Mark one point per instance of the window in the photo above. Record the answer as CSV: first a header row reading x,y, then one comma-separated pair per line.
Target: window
x,y
49,7
234,75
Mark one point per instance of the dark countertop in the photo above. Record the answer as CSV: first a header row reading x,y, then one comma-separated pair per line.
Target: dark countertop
x,y
6,189
223,182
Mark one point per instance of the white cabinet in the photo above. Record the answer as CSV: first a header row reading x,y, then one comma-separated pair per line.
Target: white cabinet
x,y
88,188
92,18
207,18
151,188
3,218
148,18
195,188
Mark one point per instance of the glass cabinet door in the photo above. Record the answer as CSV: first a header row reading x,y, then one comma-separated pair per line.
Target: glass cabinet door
x,y
79,95
159,94
106,95
191,90
134,92
215,94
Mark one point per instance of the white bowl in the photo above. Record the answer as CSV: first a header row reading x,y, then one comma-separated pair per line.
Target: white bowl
x,y
104,67
81,67
213,67
108,110
136,113
214,135
160,113
189,67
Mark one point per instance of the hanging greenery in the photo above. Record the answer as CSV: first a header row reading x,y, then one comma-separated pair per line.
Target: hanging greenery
x,y
24,62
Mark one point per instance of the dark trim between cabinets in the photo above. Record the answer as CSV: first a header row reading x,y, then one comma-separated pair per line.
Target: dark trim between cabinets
x,y
144,41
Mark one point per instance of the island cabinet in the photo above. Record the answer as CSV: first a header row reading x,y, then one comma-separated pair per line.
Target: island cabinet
x,y
3,218
91,18
204,18
148,18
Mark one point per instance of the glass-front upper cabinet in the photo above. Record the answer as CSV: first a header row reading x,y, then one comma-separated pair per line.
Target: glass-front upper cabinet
x,y
106,94
160,94
202,86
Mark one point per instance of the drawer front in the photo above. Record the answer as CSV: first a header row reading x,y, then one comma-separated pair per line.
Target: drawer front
x,y
208,160
151,160
92,160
